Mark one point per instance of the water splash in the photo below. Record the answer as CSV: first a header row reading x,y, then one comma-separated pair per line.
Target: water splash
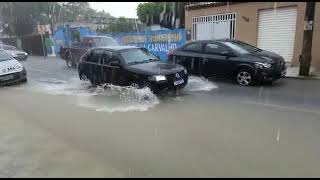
x,y
196,83
108,98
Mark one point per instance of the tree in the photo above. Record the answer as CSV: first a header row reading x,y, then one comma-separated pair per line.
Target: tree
x,y
20,18
119,25
148,13
164,13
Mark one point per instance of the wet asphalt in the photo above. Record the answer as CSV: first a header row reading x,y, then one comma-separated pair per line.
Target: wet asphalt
x,y
54,126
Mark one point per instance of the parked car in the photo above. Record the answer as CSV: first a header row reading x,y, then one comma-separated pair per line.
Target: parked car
x,y
230,58
131,66
15,52
73,54
11,70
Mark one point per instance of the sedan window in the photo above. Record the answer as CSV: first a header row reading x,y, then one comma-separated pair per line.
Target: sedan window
x,y
213,48
241,47
194,47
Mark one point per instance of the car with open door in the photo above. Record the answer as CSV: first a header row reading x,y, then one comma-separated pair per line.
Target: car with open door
x,y
229,58
130,66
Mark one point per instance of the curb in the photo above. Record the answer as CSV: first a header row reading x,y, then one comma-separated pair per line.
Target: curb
x,y
302,77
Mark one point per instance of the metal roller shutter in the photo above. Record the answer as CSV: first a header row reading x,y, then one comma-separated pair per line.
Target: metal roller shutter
x,y
276,31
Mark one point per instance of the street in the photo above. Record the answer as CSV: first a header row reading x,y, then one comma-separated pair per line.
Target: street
x,y
57,126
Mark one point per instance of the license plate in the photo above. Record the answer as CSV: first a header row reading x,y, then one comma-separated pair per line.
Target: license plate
x,y
5,78
181,81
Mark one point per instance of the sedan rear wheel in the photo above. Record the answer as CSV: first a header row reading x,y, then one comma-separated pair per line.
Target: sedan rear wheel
x,y
244,77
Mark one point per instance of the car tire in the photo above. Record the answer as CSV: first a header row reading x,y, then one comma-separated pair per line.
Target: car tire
x,y
244,77
83,77
68,57
140,85
135,85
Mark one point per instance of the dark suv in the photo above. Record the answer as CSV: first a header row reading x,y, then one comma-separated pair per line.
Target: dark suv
x,y
130,66
230,58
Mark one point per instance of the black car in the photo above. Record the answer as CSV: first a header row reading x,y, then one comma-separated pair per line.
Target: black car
x,y
130,66
230,58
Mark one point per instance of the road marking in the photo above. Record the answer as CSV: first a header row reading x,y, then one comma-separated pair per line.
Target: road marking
x,y
283,107
278,135
39,70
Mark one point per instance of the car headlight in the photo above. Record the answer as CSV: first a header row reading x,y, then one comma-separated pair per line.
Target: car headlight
x,y
13,54
263,65
185,71
26,54
157,78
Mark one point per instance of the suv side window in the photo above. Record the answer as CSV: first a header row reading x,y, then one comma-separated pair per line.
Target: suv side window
x,y
106,57
115,58
194,47
213,48
87,42
95,55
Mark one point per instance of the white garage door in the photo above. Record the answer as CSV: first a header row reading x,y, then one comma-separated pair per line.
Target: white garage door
x,y
276,31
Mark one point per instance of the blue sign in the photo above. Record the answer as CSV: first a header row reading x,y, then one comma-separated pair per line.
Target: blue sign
x,y
158,42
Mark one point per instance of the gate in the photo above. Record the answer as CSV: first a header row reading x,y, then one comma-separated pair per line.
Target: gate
x,y
213,26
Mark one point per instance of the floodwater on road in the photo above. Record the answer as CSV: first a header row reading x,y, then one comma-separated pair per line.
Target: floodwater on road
x,y
52,127
109,98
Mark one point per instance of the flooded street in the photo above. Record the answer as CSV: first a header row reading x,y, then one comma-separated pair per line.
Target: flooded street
x,y
58,126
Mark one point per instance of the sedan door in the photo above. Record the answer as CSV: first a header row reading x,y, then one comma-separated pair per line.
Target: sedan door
x,y
191,57
218,60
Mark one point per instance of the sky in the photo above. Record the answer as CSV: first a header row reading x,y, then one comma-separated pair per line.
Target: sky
x,y
117,9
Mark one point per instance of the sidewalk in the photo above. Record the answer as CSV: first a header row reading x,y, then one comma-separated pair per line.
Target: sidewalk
x,y
293,72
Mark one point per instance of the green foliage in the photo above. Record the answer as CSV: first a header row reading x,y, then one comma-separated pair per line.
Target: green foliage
x,y
149,12
20,18
119,25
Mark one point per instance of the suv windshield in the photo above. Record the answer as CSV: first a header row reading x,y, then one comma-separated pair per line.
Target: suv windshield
x,y
100,42
4,56
241,47
133,56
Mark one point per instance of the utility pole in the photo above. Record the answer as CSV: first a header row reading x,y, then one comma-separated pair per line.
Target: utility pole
x,y
305,57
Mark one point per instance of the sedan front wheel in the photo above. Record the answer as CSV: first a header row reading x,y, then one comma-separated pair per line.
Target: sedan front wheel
x,y
244,77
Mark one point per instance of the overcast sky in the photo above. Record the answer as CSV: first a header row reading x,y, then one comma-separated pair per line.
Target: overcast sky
x,y
117,9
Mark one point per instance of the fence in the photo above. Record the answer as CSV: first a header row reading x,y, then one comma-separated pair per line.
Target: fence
x,y
158,42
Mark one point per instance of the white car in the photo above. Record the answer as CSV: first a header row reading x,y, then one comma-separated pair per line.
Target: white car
x,y
16,53
11,70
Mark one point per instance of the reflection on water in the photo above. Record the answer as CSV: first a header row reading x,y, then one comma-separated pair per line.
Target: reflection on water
x,y
111,98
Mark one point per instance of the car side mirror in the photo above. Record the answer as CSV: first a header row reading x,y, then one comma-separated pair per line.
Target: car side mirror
x,y
115,63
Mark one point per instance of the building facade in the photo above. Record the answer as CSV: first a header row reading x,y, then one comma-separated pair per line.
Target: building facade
x,y
273,26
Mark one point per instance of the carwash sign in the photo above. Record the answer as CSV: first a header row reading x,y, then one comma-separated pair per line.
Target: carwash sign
x,y
158,43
